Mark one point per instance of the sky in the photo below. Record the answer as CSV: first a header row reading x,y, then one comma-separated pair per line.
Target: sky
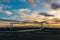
x,y
29,9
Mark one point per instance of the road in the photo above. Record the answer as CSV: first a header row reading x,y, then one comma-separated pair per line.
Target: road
x,y
30,35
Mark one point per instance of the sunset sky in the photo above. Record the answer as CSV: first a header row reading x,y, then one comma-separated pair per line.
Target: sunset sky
x,y
29,9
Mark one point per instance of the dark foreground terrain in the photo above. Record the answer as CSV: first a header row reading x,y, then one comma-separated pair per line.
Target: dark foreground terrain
x,y
45,34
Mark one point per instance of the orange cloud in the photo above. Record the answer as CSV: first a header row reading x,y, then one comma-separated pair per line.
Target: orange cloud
x,y
8,12
23,14
55,12
31,16
35,15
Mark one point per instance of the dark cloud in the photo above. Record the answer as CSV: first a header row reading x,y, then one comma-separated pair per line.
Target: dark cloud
x,y
55,6
45,14
48,1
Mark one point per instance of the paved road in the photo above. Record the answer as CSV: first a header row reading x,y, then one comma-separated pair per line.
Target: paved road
x,y
29,36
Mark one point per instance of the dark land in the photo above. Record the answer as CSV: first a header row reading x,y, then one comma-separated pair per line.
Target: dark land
x,y
19,34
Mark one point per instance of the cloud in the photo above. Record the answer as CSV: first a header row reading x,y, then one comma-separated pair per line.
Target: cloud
x,y
38,1
57,20
24,10
8,12
55,6
57,1
15,17
5,6
26,14
56,13
46,14
32,3
45,3
33,15
1,9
